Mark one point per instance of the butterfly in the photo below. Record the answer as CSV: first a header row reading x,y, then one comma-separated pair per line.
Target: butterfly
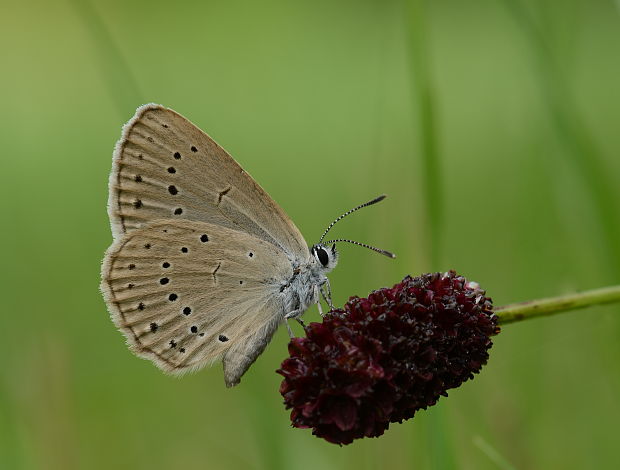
x,y
204,264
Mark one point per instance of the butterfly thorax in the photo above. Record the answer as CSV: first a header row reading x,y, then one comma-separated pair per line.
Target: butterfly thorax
x,y
302,289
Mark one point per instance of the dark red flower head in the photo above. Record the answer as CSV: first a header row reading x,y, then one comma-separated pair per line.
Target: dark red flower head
x,y
382,358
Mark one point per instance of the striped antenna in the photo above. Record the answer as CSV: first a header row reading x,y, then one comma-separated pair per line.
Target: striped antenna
x,y
369,203
378,250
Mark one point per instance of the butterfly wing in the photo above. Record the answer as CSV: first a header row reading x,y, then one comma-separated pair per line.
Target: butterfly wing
x,y
167,168
186,293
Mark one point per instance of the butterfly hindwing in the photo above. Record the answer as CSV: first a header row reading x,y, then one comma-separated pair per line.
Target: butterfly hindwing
x,y
167,168
186,293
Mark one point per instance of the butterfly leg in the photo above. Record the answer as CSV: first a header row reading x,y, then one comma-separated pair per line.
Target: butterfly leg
x,y
318,293
294,314
318,302
327,294
288,327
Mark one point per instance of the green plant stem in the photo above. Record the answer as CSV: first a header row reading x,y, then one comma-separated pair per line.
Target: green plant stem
x,y
546,307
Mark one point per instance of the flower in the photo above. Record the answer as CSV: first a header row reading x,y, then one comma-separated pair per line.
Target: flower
x,y
381,358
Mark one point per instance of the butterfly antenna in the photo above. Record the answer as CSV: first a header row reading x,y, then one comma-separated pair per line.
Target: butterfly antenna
x,y
369,203
378,250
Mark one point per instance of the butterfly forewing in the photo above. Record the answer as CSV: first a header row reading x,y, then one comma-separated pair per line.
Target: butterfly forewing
x,y
185,293
167,168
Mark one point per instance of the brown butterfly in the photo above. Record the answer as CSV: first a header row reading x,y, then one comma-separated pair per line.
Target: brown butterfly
x,y
204,264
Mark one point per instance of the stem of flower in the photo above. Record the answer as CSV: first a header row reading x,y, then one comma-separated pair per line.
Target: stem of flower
x,y
545,307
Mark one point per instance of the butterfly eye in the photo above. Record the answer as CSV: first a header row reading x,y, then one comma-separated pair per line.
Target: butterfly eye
x,y
322,255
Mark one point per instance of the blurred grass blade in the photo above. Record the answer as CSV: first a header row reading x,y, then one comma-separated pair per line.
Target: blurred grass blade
x,y
441,453
122,85
424,106
580,147
261,409
492,454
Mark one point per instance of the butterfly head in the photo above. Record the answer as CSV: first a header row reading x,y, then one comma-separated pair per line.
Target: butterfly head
x,y
325,256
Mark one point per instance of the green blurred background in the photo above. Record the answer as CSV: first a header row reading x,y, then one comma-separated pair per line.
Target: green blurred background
x,y
493,127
